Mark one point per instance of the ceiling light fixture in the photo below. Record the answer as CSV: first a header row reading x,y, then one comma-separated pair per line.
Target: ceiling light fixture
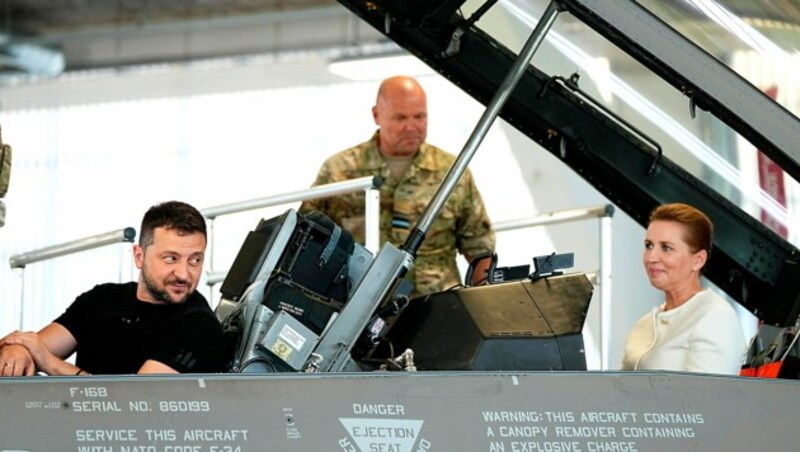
x,y
378,67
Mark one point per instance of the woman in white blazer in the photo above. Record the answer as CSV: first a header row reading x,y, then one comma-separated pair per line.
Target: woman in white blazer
x,y
693,330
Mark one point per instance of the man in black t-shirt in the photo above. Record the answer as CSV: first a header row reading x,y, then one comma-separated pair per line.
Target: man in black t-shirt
x,y
158,324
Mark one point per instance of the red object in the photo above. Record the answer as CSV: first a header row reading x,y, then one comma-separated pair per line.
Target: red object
x,y
770,370
770,179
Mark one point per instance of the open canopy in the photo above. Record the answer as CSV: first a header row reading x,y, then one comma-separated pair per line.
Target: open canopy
x,y
628,64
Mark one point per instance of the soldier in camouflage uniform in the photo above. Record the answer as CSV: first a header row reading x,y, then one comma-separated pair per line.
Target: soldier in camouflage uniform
x,y
412,171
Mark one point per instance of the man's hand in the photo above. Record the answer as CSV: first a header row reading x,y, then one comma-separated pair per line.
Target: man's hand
x,y
15,360
37,352
481,266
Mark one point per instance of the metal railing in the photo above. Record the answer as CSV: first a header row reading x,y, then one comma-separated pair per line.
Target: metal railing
x,y
369,184
121,235
19,261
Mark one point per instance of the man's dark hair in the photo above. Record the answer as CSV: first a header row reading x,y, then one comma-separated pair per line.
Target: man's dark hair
x,y
171,215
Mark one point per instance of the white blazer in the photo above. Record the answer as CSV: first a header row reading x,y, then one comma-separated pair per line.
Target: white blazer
x,y
701,335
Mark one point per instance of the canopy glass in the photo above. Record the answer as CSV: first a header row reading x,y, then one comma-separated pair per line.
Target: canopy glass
x,y
760,41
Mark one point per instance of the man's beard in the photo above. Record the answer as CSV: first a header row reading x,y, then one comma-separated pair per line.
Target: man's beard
x,y
160,294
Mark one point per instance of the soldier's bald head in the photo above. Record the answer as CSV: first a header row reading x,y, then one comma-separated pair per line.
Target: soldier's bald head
x,y
399,86
401,113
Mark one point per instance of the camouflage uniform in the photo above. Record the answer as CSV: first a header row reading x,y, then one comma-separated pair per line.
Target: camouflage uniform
x,y
461,224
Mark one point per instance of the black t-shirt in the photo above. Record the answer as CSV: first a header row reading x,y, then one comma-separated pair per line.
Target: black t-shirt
x,y
117,333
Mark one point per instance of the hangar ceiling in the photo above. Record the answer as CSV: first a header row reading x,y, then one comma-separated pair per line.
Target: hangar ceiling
x,y
44,37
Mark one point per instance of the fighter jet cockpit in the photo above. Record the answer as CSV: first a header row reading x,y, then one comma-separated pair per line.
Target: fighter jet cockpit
x,y
301,296
641,103
563,106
